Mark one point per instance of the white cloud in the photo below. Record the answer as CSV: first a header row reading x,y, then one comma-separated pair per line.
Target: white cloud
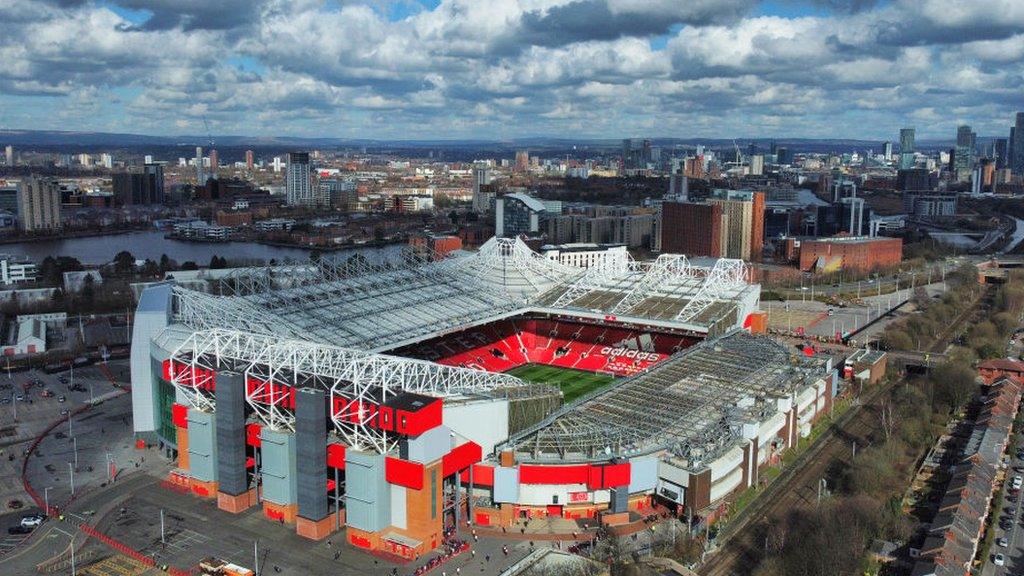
x,y
511,67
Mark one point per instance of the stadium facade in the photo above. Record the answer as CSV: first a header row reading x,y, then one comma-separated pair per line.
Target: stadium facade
x,y
374,395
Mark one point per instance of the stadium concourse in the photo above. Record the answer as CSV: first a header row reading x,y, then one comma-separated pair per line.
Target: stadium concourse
x,y
403,397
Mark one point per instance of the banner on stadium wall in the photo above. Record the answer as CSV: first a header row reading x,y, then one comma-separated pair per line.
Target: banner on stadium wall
x,y
577,497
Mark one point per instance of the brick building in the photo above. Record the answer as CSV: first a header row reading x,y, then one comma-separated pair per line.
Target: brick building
x,y
693,229
234,219
438,244
849,253
993,369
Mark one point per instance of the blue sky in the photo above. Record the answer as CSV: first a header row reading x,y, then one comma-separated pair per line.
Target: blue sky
x,y
513,68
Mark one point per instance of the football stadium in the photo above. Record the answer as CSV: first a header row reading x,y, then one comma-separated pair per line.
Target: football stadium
x,y
398,398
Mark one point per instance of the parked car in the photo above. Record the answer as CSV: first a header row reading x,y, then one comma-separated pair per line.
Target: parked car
x,y
32,520
1002,542
19,530
999,560
61,398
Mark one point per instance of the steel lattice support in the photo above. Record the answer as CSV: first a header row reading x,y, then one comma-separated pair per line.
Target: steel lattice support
x,y
665,269
363,379
609,269
727,274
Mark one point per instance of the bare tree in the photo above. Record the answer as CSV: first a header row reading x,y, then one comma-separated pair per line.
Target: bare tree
x,y
887,417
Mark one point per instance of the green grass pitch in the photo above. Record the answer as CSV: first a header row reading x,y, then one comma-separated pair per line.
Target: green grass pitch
x,y
574,383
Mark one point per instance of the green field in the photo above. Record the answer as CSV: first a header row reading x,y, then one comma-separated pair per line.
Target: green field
x,y
574,383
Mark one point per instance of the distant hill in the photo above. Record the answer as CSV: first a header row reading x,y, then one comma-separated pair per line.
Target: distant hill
x,y
58,139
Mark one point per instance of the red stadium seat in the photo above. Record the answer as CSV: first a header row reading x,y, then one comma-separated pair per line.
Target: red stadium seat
x,y
506,344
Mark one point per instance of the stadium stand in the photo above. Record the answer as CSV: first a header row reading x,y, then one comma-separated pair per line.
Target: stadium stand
x,y
506,344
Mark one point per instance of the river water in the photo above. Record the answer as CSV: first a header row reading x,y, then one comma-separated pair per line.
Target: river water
x,y
152,245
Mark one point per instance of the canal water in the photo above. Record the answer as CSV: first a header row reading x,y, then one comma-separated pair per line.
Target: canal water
x,y
152,245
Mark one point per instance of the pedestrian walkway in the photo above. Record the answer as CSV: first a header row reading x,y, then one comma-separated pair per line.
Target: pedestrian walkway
x,y
116,565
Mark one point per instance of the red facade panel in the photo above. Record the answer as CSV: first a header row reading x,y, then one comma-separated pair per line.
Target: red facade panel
x,y
418,422
386,418
539,474
403,473
252,435
483,475
195,377
179,415
270,393
460,458
336,456
616,475
357,412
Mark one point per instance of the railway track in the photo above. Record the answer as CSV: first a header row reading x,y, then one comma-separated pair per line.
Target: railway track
x,y
797,487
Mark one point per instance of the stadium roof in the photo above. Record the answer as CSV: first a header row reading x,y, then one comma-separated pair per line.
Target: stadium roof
x,y
365,377
692,405
378,306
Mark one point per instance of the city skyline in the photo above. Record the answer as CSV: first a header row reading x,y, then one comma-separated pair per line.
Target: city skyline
x,y
503,70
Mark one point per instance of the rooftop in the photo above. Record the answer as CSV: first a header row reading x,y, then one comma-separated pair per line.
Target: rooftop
x,y
378,306
693,405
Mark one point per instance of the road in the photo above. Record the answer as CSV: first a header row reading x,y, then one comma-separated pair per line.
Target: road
x,y
52,537
797,487
1014,551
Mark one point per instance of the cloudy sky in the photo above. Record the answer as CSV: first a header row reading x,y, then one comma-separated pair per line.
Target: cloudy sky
x,y
501,69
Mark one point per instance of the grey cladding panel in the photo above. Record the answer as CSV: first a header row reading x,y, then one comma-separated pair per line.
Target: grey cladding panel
x,y
230,396
311,446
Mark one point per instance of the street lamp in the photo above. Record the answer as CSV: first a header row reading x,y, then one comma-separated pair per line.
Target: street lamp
x,y
46,498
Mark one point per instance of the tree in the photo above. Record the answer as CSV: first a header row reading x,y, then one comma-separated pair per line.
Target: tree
x,y
150,269
166,264
88,290
124,262
954,384
887,417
